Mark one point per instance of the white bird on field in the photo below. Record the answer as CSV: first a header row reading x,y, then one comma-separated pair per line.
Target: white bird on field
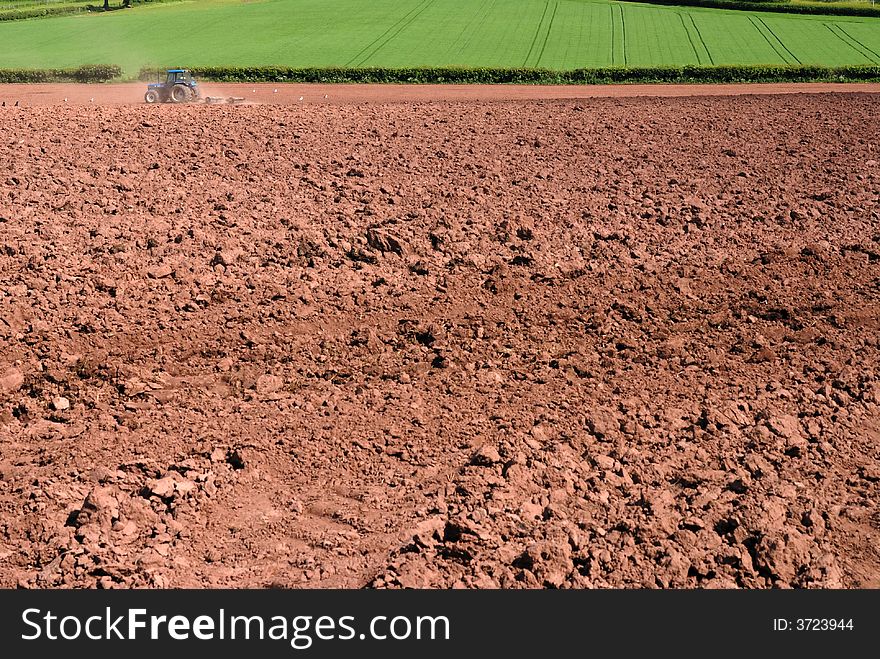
x,y
91,100
274,91
65,100
255,91
325,95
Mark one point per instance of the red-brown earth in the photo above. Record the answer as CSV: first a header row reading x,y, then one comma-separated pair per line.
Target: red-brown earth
x,y
132,93
583,343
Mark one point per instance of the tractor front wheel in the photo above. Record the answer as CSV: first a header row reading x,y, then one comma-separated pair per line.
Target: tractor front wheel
x,y
152,96
181,94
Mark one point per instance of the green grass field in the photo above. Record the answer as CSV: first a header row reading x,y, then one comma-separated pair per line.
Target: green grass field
x,y
554,34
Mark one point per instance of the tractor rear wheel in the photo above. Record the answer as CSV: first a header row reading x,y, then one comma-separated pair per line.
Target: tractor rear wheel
x,y
181,94
152,96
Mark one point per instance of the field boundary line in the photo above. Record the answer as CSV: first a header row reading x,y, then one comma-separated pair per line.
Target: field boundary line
x,y
779,41
852,38
757,26
547,35
623,34
417,10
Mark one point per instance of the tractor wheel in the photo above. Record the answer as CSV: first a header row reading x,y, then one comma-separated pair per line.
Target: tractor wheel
x,y
152,96
181,94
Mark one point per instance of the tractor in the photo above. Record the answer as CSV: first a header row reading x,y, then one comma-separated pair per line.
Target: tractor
x,y
179,87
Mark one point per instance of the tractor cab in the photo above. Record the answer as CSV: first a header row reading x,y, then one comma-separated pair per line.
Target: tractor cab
x,y
179,87
182,76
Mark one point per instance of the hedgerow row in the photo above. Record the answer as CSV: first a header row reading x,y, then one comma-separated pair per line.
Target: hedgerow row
x,y
87,73
680,75
771,6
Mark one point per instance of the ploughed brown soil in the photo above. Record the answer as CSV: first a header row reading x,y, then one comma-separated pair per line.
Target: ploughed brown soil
x,y
132,93
594,343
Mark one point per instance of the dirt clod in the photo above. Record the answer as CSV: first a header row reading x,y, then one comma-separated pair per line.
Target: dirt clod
x,y
11,380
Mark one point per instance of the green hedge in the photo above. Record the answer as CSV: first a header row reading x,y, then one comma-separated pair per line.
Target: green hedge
x,y
87,73
38,12
686,74
768,5
45,12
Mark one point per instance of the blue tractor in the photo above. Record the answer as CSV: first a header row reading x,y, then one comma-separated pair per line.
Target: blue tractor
x,y
179,87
